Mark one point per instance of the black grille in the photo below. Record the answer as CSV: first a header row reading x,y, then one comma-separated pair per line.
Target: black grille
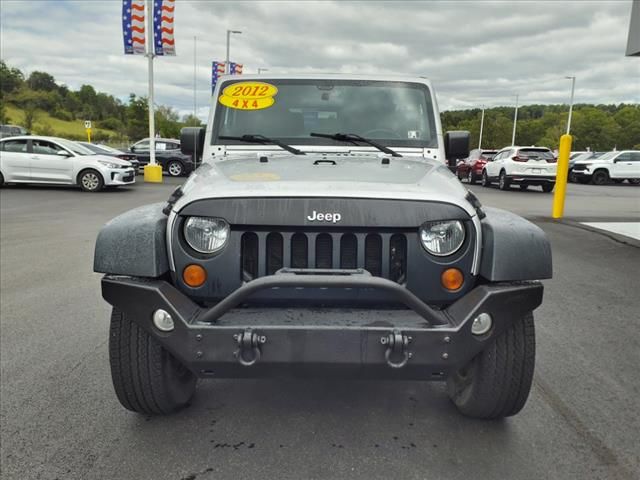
x,y
249,256
274,253
381,254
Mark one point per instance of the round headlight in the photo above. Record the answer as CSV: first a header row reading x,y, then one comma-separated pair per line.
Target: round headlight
x,y
205,234
442,238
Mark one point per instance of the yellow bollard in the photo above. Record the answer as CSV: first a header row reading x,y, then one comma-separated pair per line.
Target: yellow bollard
x,y
561,177
153,173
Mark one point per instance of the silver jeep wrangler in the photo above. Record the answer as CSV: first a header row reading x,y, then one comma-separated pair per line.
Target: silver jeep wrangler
x,y
323,235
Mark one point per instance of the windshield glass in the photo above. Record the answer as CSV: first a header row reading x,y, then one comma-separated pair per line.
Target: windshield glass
x,y
536,153
607,156
74,147
391,113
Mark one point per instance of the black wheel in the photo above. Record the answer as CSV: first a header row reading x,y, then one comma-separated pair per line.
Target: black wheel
x,y
503,181
1,180
147,379
547,187
634,181
485,179
90,180
175,168
460,175
600,177
471,177
523,186
496,383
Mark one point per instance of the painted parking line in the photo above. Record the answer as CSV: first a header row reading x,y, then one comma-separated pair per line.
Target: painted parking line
x,y
628,229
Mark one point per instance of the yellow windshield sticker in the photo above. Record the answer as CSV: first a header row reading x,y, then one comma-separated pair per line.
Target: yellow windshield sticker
x,y
249,95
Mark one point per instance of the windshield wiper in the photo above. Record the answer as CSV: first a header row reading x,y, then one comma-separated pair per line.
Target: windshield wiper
x,y
263,140
353,138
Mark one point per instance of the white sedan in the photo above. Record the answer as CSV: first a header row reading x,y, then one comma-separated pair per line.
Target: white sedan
x,y
52,160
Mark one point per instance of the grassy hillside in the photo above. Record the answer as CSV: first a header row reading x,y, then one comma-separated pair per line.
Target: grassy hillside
x,y
45,124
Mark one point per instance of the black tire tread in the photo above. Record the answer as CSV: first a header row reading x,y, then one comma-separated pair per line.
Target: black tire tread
x,y
503,374
138,365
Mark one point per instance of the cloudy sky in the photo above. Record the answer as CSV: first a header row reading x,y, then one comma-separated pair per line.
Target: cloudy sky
x,y
474,52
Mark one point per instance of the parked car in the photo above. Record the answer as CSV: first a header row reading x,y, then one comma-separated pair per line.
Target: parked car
x,y
168,155
36,159
522,166
112,152
611,166
471,167
12,131
578,158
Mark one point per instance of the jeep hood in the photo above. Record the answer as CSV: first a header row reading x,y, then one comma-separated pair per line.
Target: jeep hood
x,y
325,175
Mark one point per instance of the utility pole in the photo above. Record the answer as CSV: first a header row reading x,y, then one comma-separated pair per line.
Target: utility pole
x,y
573,86
227,65
481,128
515,121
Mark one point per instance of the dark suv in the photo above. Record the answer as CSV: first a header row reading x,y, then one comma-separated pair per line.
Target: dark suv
x,y
168,155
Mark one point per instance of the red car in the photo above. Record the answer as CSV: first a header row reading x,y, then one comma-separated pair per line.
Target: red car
x,y
471,167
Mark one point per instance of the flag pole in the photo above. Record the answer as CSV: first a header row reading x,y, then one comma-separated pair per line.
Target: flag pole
x,y
152,171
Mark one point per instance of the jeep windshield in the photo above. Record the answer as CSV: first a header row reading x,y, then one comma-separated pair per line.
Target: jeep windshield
x,y
398,114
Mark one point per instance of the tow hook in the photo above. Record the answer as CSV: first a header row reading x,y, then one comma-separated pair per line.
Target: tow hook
x,y
397,347
248,352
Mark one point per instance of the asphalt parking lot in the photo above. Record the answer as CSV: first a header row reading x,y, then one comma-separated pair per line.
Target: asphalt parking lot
x,y
61,420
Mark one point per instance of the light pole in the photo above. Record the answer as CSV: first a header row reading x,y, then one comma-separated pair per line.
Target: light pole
x,y
227,65
481,127
515,121
573,86
260,70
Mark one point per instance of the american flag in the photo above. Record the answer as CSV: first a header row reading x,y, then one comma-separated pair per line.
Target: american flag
x,y
133,26
235,68
163,27
217,69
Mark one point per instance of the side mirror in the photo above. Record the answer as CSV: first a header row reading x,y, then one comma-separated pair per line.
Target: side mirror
x,y
133,148
63,153
456,145
192,141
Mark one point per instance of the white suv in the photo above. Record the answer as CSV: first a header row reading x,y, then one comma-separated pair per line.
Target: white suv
x,y
523,166
616,166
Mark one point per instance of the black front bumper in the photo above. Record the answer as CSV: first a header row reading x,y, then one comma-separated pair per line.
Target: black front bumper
x,y
224,341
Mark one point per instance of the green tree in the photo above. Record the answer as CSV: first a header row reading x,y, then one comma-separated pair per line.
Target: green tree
x,y
11,79
191,121
137,115
41,81
594,128
628,119
30,115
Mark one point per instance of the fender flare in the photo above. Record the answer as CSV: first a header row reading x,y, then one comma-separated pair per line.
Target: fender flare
x,y
134,243
513,248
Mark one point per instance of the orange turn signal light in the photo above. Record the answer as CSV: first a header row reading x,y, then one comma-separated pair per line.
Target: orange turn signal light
x,y
194,275
452,279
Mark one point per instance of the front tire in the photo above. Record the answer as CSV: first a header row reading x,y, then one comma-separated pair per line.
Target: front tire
x,y
471,177
496,383
146,377
485,179
547,187
600,177
90,181
175,168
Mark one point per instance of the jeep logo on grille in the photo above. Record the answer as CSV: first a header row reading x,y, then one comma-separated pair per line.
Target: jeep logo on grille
x,y
324,217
